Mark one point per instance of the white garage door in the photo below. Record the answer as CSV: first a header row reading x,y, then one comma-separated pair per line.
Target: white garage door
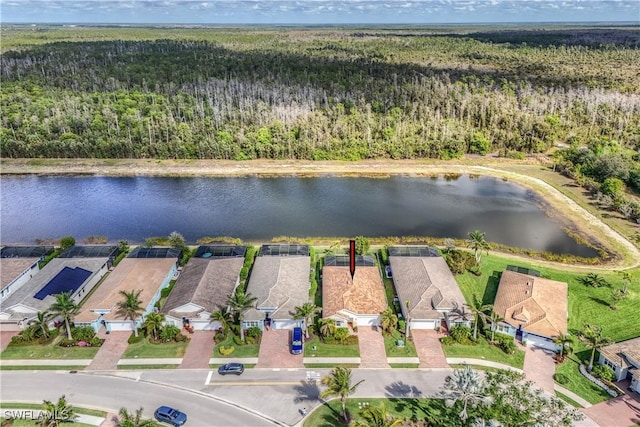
x,y
423,324
368,320
536,341
284,323
119,326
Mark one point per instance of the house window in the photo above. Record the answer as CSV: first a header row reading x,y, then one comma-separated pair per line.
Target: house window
x,y
505,329
251,324
609,364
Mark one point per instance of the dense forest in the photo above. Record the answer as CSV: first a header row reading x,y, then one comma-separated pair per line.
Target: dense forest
x,y
317,94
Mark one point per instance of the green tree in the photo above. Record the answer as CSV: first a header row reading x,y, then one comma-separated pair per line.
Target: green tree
x,y
153,324
127,419
123,246
130,307
224,317
65,307
339,383
595,280
626,280
478,309
327,327
66,242
176,240
478,243
306,311
41,323
341,334
612,187
494,318
592,336
376,416
388,321
240,303
617,295
362,245
466,386
57,413
564,341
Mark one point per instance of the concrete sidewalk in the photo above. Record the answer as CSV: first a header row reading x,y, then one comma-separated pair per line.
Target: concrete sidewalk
x,y
151,361
45,362
572,395
481,362
33,414
225,360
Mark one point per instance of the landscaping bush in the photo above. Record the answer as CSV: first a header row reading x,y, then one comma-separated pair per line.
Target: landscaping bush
x,y
181,338
65,342
166,291
384,256
219,337
253,332
460,334
447,340
83,333
96,342
169,333
505,343
561,378
249,340
603,372
402,325
237,340
135,339
244,272
460,261
314,287
225,351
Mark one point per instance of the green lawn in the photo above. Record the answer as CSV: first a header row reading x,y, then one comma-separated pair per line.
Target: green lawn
x,y
408,350
577,382
328,415
247,350
483,350
404,365
331,365
49,351
36,423
146,350
314,347
21,405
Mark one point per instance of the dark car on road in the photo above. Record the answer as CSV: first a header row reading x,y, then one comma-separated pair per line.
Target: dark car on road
x,y
171,416
231,368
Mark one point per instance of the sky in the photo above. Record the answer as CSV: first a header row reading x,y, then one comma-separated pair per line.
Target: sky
x,y
316,12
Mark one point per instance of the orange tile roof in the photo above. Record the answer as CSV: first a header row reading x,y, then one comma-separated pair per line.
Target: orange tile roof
x,y
362,295
538,305
131,274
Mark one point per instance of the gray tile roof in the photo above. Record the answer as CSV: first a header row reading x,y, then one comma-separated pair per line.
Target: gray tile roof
x,y
427,284
12,268
279,282
24,295
206,282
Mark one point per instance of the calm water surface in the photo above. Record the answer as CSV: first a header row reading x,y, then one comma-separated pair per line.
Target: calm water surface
x,y
261,208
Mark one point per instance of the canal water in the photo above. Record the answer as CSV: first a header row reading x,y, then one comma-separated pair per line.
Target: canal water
x,y
252,208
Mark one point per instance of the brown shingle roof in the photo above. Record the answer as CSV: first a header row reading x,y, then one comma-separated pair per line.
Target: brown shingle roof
x,y
620,353
362,295
131,274
206,282
11,268
538,305
427,284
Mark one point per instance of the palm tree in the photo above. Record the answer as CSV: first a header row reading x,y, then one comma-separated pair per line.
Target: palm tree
x,y
388,320
626,280
564,341
41,323
65,307
224,317
617,295
464,385
327,327
478,309
338,383
306,311
478,243
494,318
127,419
130,307
592,336
376,416
56,413
153,323
240,303
594,280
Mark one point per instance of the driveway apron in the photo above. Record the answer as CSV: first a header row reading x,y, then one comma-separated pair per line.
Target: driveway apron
x,y
429,348
621,411
111,351
199,350
540,367
274,351
372,351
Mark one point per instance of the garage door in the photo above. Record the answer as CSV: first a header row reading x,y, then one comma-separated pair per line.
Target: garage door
x,y
423,324
119,326
368,320
536,341
284,323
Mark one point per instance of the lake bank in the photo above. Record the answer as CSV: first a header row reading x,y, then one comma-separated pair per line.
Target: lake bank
x,y
580,221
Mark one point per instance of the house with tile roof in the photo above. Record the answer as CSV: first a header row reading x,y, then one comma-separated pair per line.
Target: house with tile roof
x,y
358,301
280,280
18,264
624,358
534,309
427,291
204,286
147,269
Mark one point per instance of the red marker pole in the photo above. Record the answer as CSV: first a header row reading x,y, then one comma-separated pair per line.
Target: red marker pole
x,y
352,257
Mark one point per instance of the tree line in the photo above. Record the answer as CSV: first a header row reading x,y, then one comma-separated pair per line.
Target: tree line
x,y
324,96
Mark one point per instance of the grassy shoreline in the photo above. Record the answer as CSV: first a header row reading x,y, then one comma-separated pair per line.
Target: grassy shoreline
x,y
582,223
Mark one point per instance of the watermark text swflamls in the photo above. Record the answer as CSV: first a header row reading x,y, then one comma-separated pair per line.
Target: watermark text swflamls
x,y
34,414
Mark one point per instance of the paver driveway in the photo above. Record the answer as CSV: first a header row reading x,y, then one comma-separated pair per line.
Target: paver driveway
x,y
622,411
371,343
5,339
429,348
198,351
540,367
274,351
111,351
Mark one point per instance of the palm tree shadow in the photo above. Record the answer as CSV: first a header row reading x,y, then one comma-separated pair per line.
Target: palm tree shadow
x,y
307,391
400,389
599,301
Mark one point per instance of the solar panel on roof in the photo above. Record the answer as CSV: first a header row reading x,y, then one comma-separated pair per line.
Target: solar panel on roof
x,y
67,280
